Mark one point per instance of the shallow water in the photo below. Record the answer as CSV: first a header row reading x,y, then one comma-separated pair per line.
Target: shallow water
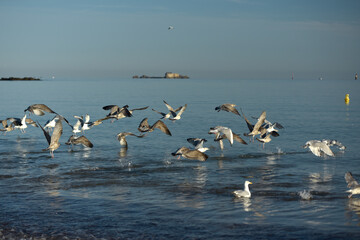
x,y
145,192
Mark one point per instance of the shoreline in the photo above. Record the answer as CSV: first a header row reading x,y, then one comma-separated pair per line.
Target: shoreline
x,y
20,79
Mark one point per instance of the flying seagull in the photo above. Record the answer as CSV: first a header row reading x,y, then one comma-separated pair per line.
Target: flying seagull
x,y
53,140
79,140
198,143
39,109
192,154
145,127
352,184
228,107
254,129
321,148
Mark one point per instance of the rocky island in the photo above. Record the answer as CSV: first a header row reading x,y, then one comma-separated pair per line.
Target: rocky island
x,y
19,79
169,75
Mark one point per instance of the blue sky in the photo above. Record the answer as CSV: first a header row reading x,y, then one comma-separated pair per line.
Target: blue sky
x,y
223,39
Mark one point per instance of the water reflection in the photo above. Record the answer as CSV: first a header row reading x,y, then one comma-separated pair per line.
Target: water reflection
x,y
353,206
246,202
123,152
191,191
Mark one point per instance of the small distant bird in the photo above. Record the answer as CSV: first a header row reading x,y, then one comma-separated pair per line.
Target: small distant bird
x,y
321,148
145,127
352,184
53,140
190,154
39,109
243,193
177,116
228,107
170,28
122,137
79,140
198,143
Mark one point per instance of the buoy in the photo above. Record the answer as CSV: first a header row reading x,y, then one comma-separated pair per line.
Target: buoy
x,y
347,99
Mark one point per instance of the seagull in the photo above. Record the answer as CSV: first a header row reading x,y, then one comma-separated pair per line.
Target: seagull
x,y
254,129
116,112
21,124
122,137
145,127
6,128
51,123
321,148
352,184
219,131
177,116
228,107
264,138
170,28
39,109
243,193
167,115
76,128
190,154
75,140
198,143
53,141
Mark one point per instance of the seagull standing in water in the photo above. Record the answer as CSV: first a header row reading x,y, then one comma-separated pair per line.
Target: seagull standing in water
x,y
352,184
243,193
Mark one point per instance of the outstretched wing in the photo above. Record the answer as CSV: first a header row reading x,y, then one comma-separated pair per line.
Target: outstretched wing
x,y
162,126
350,180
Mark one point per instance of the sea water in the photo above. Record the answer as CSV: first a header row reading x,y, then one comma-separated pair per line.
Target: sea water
x,y
144,192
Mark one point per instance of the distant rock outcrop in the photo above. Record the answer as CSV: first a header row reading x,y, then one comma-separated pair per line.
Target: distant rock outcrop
x,y
19,79
169,75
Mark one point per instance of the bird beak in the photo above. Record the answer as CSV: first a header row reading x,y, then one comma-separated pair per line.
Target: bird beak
x,y
250,182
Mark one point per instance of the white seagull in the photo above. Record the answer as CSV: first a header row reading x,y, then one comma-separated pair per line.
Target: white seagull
x,y
243,193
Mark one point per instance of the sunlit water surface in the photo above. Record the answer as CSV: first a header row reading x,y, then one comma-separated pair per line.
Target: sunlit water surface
x,y
145,192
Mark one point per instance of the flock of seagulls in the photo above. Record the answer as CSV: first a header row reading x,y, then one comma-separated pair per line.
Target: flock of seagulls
x,y
53,130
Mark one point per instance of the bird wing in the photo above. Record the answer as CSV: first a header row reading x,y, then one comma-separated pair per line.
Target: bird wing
x,y
168,106
326,149
250,126
350,180
260,121
144,125
239,139
84,141
113,109
182,109
194,141
31,122
162,126
195,154
47,136
228,133
229,107
58,129
143,108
